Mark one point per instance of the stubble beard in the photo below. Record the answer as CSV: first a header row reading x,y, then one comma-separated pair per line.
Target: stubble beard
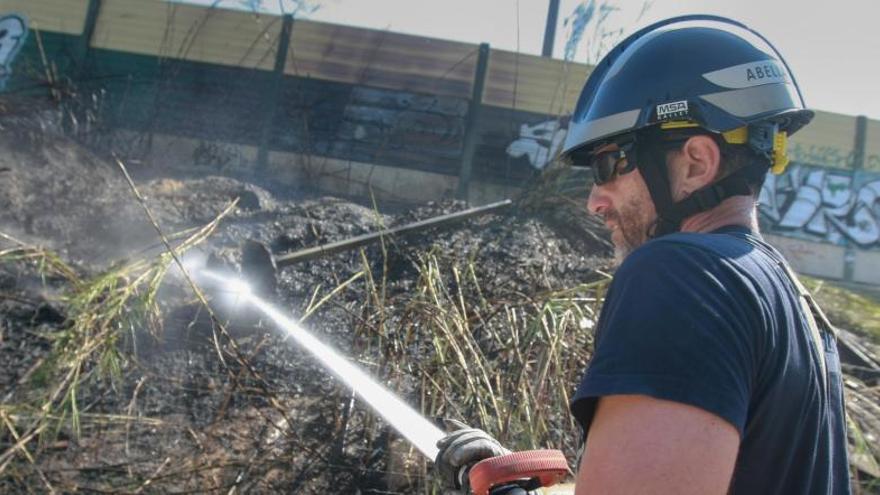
x,y
630,231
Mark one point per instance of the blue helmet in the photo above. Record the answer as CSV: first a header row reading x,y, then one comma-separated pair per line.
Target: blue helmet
x,y
708,70
698,71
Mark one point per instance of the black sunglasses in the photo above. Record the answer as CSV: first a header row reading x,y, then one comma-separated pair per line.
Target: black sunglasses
x,y
607,165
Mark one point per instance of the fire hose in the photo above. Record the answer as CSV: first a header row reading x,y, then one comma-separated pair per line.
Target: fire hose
x,y
510,474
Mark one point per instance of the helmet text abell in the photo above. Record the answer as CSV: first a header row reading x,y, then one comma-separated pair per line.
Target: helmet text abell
x,y
765,71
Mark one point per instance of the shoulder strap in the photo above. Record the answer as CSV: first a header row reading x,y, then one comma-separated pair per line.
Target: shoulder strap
x,y
816,319
854,352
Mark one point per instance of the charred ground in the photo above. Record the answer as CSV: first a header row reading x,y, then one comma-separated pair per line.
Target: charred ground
x,y
488,323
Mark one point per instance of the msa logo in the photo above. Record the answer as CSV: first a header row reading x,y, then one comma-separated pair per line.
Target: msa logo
x,y
673,109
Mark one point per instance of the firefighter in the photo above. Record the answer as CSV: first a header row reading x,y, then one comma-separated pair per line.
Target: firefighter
x,y
713,370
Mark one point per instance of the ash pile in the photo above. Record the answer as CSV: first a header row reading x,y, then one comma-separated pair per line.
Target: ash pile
x,y
117,378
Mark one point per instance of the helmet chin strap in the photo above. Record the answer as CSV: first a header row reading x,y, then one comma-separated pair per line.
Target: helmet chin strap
x,y
651,162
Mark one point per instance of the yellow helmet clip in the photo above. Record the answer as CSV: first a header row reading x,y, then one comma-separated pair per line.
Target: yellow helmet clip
x,y
780,153
740,135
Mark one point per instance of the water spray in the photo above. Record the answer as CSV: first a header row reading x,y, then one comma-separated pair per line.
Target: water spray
x,y
420,432
508,474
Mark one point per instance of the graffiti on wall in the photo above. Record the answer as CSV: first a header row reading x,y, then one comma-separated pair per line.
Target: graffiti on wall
x,y
13,33
539,142
824,203
371,125
379,124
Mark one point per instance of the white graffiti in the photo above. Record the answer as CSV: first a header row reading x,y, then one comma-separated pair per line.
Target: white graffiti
x,y
825,203
538,142
13,32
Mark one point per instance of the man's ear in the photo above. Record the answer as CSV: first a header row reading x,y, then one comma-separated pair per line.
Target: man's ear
x,y
697,165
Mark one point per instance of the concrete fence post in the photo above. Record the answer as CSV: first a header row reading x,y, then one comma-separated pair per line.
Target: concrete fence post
x,y
858,163
85,40
550,28
472,123
272,97
860,144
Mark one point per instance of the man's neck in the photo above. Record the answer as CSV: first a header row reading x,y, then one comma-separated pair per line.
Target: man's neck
x,y
737,210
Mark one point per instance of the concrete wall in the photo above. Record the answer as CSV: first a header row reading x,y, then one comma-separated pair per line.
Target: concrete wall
x,y
343,177
827,204
866,267
61,16
361,95
812,258
187,32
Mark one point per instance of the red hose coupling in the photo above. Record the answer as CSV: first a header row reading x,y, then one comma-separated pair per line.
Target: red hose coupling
x,y
547,466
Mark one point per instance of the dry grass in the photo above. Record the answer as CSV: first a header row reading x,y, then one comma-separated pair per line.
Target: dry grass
x,y
101,311
505,365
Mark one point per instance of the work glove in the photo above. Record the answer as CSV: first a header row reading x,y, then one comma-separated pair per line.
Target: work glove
x,y
464,447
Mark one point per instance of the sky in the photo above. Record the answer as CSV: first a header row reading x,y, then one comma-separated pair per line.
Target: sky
x,y
833,48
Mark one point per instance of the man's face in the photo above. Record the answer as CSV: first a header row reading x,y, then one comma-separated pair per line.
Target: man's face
x,y
625,205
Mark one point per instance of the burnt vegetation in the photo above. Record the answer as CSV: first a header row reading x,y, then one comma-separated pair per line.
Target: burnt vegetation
x,y
118,377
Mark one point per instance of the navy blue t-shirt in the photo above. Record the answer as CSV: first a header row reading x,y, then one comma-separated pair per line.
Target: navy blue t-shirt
x,y
712,320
